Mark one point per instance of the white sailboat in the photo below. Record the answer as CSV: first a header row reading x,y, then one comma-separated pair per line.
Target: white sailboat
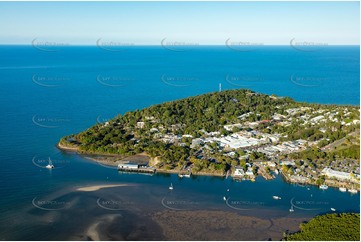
x,y
291,209
50,165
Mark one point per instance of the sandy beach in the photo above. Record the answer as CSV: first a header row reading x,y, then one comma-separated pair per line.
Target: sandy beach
x,y
98,187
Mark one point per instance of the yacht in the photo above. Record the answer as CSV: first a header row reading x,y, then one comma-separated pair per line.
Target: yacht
x,y
187,175
171,187
352,190
180,175
291,209
224,198
323,187
333,209
343,189
276,197
50,165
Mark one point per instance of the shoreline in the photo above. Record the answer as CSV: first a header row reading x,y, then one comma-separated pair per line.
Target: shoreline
x,y
99,158
102,159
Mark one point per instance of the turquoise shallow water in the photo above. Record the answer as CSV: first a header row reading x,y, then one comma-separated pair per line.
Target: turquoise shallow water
x,y
46,95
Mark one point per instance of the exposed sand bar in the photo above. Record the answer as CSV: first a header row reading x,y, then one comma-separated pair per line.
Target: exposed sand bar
x,y
97,187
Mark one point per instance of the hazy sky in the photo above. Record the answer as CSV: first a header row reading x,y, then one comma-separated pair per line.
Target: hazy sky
x,y
143,23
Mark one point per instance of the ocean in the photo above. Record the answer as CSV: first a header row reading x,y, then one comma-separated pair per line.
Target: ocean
x,y
46,94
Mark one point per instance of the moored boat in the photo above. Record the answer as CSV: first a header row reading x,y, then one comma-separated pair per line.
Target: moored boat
x,y
50,165
291,209
323,187
353,191
343,189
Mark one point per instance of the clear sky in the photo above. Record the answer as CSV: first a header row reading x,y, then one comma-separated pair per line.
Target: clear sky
x,y
147,23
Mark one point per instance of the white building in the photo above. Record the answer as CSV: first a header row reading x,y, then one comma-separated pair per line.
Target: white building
x,y
238,171
336,174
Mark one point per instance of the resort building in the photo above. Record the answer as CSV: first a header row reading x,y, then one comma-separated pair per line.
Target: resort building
x,y
336,174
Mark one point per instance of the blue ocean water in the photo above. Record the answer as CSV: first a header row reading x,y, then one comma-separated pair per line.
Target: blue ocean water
x,y
45,95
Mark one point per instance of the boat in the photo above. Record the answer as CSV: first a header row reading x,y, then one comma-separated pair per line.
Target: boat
x,y
276,171
187,175
343,189
227,175
276,197
180,175
291,209
353,191
171,187
333,209
50,165
224,198
323,187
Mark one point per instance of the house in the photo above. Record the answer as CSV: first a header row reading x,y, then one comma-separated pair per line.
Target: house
x,y
140,125
249,172
288,163
238,171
